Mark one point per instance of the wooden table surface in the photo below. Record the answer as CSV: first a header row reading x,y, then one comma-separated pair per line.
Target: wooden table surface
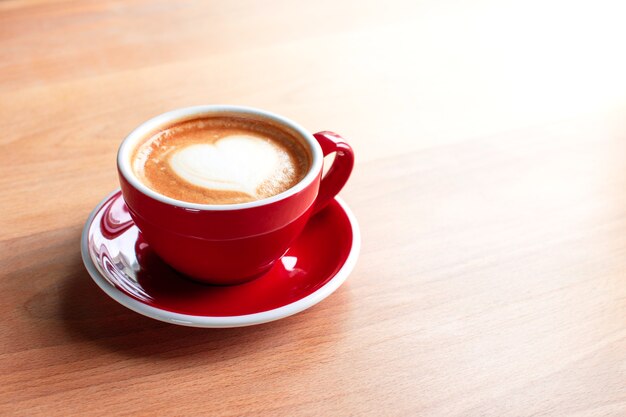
x,y
490,188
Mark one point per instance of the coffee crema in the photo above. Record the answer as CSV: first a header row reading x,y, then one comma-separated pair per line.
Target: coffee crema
x,y
220,160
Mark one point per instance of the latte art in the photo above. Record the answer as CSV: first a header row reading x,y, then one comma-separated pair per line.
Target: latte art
x,y
233,163
220,161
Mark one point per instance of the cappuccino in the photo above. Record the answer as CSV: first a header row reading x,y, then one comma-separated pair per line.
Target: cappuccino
x,y
220,160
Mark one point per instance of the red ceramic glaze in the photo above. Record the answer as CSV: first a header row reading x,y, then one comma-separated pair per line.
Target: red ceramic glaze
x,y
128,262
339,171
220,247
230,244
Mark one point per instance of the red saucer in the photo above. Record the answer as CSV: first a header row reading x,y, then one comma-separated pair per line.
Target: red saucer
x,y
124,266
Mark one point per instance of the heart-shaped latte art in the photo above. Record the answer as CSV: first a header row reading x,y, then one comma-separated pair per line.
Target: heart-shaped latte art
x,y
234,163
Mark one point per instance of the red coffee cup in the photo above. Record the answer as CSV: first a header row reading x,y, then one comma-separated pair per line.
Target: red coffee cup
x,y
231,243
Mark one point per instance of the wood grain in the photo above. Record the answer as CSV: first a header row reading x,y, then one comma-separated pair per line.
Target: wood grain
x,y
490,187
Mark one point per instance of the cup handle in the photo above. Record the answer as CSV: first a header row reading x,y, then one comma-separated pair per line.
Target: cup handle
x,y
340,170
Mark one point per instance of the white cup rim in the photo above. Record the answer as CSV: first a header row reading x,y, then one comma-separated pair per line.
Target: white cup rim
x,y
164,119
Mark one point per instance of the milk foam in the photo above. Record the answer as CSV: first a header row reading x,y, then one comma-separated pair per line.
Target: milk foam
x,y
233,163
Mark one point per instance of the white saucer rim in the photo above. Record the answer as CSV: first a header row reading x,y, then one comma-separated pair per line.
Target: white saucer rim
x,y
223,321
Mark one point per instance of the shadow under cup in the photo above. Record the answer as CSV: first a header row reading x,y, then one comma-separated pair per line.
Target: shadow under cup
x,y
230,243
